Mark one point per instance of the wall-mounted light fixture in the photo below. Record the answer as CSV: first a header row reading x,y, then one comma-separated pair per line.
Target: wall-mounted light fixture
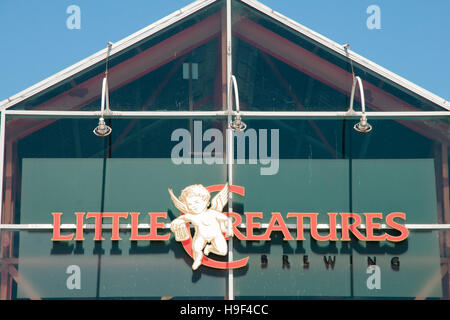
x,y
362,126
237,125
102,130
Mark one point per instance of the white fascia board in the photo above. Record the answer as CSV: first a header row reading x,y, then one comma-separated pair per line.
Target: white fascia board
x,y
101,55
338,48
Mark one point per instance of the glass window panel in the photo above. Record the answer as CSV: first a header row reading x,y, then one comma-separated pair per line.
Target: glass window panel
x,y
341,270
269,83
168,88
285,275
59,165
312,176
398,167
410,269
114,269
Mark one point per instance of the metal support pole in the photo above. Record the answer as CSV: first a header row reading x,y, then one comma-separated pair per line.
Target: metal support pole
x,y
146,226
389,115
2,158
230,147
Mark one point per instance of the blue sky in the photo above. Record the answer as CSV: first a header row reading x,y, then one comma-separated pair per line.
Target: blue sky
x,y
35,43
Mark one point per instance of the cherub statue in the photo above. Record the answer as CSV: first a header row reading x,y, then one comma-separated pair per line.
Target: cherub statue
x,y
210,223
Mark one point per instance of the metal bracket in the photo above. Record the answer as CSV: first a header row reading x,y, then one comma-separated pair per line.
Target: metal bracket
x,y
102,130
362,126
237,125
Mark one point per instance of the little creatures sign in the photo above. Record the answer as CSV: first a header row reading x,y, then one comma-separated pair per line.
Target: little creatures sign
x,y
212,227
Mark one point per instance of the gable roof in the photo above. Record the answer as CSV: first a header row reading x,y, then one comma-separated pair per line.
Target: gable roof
x,y
197,6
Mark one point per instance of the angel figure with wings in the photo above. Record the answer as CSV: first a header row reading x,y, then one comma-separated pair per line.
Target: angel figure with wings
x,y
209,221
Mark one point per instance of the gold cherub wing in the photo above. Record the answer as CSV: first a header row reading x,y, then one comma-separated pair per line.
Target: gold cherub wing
x,y
177,202
221,199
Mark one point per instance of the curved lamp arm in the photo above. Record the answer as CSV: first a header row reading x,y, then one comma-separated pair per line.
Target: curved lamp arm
x,y
236,92
105,96
237,125
102,130
362,126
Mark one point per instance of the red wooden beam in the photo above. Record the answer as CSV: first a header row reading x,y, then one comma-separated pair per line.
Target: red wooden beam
x,y
26,286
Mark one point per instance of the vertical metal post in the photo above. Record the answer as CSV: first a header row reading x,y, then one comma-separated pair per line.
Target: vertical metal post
x,y
230,147
4,275
2,158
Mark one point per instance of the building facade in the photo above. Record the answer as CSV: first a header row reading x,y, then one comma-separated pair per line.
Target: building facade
x,y
332,170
